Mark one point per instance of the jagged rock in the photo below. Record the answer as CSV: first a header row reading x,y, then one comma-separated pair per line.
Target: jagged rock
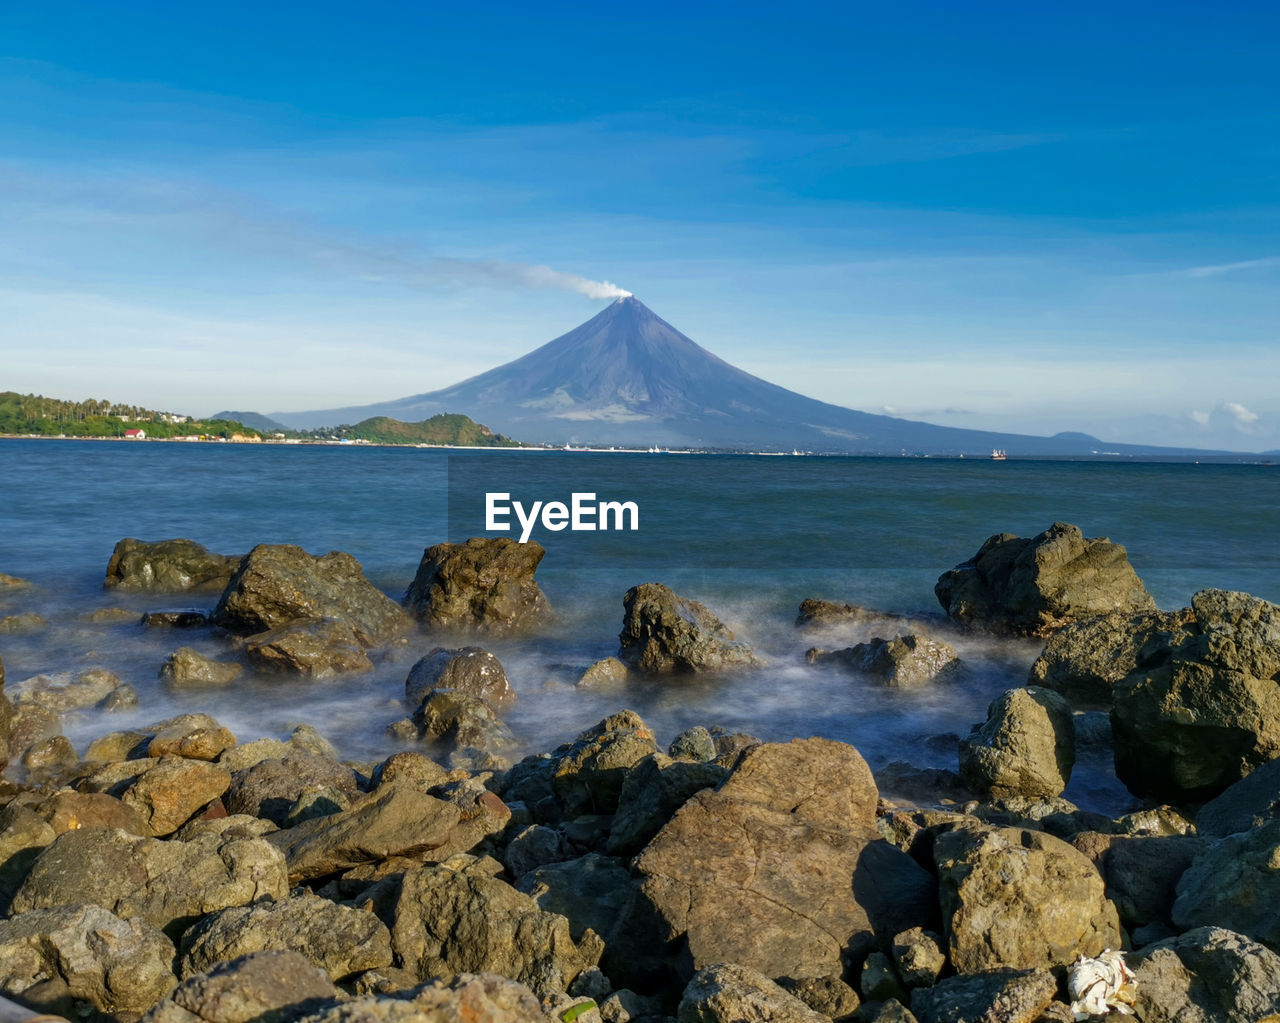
x,y
484,584
1203,708
1033,586
272,786
906,662
624,1005
1026,747
169,883
1252,801
167,565
172,790
815,612
474,998
879,981
1004,996
309,648
592,891
1208,975
462,721
778,890
813,779
663,632
1141,871
338,939
1235,883
276,584
588,773
1019,899
66,691
22,624
24,834
901,780
919,956
51,958
535,846
731,993
395,820
652,790
829,996
696,743
1084,660
608,673
188,667
189,619
195,736
67,810
892,1011
269,986
448,922
416,769
469,670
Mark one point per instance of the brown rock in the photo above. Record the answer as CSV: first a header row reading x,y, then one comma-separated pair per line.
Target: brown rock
x,y
483,585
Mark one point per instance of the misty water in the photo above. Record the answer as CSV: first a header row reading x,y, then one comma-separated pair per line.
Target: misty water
x,y
749,536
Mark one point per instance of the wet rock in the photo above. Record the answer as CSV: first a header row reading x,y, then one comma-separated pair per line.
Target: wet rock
x,y
340,940
906,662
1252,801
169,883
461,721
22,624
663,632
482,585
49,758
31,724
652,790
271,787
1203,709
54,958
899,779
1004,996
731,993
1019,899
167,565
395,820
270,986
1235,883
195,736
1030,587
120,699
110,616
1084,660
309,648
475,998
696,743
65,690
172,791
469,670
828,996
11,583
24,834
920,956
188,667
588,773
277,584
817,613
1025,748
189,619
609,673
1208,975
6,721
448,922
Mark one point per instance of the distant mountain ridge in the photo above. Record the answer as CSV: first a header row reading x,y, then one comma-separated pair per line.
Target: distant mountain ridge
x,y
255,420
627,377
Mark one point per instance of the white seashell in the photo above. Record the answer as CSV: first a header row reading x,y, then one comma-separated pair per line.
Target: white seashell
x,y
1099,986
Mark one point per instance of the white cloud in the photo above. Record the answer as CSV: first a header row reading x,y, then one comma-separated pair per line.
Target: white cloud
x,y
1220,269
1245,419
1200,418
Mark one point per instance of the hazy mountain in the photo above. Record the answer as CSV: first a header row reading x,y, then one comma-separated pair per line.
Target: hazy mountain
x,y
253,420
627,377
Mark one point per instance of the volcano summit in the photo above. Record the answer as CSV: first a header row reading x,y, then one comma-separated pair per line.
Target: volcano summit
x,y
627,377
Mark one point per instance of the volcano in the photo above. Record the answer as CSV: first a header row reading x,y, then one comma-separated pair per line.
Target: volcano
x,y
626,377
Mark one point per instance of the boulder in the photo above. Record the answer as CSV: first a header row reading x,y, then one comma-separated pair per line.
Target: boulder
x,y
1001,996
817,613
24,834
1141,871
731,993
1235,883
462,721
270,787
188,667
22,624
172,790
586,775
1085,660
696,743
607,673
68,810
395,820
416,769
469,670
474,998
1029,587
309,648
109,616
906,662
812,779
535,846
482,585
1252,801
169,883
652,790
1026,747
920,957
829,996
276,584
592,891
167,566
270,986
66,690
663,632
1202,710
339,939
189,619
1208,975
195,736
449,922
53,958
1019,899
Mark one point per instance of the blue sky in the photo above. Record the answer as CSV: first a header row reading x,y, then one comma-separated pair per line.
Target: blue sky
x,y
1011,216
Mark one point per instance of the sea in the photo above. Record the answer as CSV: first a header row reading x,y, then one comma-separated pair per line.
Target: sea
x,y
748,536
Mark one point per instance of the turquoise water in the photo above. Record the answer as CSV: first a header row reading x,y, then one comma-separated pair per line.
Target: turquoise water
x,y
749,536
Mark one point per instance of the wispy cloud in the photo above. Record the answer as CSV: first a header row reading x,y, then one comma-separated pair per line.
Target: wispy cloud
x,y
1222,269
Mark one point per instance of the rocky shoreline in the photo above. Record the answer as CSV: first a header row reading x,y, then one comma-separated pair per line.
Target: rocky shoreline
x,y
181,873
